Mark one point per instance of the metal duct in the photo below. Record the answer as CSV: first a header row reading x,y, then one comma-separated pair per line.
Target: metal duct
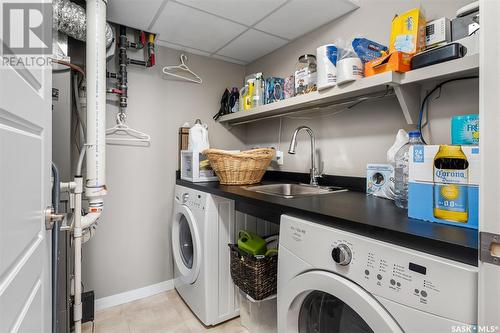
x,y
70,18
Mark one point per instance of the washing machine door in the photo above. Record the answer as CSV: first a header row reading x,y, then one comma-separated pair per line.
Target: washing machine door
x,y
186,245
324,302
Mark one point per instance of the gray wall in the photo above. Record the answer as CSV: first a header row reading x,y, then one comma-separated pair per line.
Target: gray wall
x,y
131,248
351,139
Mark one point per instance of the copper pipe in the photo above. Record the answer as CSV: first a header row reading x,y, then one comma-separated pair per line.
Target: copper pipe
x,y
70,65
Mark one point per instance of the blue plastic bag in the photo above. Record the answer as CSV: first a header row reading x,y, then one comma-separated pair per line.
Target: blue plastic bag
x,y
368,50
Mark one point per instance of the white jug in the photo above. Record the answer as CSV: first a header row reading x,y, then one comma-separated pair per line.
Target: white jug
x,y
198,137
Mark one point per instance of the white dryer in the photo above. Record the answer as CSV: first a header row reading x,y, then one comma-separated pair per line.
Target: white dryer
x,y
335,281
202,226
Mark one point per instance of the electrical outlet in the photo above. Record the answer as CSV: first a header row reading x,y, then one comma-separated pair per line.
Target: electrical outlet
x,y
279,157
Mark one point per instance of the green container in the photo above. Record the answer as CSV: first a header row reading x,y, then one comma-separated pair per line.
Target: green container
x,y
251,243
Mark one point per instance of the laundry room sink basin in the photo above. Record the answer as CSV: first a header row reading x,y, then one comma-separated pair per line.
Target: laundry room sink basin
x,y
294,190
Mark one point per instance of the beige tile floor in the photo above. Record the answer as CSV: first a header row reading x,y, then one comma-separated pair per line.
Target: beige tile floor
x,y
162,313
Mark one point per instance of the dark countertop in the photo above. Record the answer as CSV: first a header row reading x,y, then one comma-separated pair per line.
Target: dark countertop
x,y
356,212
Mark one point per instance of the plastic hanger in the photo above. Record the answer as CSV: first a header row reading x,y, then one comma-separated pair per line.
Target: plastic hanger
x,y
183,68
117,134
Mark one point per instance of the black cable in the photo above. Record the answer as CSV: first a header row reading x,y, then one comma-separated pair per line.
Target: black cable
x,y
421,113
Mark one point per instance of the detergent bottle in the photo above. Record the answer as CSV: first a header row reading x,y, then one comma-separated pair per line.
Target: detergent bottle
x,y
251,243
451,177
248,99
258,91
243,94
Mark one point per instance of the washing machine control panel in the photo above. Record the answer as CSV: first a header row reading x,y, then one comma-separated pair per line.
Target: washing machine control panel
x,y
193,201
416,279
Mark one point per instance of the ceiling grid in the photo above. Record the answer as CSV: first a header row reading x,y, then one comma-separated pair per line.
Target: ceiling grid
x,y
232,30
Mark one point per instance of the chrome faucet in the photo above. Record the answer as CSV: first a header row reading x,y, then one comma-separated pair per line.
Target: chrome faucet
x,y
293,145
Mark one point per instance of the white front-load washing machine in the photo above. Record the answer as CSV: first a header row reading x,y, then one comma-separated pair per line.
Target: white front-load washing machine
x,y
331,280
202,226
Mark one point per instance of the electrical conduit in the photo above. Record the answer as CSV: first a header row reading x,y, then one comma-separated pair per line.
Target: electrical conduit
x,y
56,191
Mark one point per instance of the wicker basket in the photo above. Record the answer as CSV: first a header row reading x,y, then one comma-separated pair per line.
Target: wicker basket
x,y
245,168
257,277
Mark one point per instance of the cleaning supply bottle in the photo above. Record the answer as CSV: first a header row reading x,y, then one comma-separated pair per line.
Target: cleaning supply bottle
x,y
401,168
249,94
243,96
258,91
451,177
251,243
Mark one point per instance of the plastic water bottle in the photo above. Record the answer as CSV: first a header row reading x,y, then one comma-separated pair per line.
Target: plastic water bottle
x,y
402,162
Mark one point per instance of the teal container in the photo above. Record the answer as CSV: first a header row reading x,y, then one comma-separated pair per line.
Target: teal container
x,y
465,130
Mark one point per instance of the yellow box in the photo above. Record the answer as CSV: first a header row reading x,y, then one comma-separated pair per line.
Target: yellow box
x,y
408,32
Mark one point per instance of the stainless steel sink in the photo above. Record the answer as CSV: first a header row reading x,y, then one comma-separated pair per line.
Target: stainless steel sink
x,y
294,190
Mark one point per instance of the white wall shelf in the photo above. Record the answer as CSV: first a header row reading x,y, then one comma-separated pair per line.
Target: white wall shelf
x,y
407,88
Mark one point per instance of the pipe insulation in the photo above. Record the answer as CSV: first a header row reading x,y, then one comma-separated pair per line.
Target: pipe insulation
x,y
71,19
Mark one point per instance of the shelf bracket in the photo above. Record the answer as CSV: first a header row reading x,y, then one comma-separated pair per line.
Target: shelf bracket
x,y
409,99
226,125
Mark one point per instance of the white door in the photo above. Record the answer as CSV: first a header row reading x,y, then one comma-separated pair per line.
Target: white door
x,y
489,211
25,182
186,245
320,302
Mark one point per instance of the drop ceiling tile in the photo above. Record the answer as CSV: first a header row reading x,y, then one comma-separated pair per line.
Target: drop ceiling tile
x,y
227,59
133,13
252,45
243,11
182,48
190,27
298,17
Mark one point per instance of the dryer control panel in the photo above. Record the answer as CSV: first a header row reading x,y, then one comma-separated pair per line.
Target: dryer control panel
x,y
423,281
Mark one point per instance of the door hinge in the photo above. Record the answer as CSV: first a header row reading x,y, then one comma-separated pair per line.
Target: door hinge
x,y
489,251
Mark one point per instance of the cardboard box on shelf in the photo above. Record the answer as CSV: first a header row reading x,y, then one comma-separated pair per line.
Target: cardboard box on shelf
x,y
394,61
408,32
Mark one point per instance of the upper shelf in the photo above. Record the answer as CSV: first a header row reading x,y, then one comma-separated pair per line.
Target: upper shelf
x,y
406,87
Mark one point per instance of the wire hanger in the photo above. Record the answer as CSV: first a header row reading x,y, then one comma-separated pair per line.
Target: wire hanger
x,y
122,133
182,68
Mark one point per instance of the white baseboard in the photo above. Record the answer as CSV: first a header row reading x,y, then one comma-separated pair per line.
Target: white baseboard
x,y
132,295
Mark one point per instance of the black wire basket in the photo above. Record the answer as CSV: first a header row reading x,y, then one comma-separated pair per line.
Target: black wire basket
x,y
255,276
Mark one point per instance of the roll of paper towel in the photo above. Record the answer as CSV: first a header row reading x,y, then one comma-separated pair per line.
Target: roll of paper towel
x,y
326,57
349,69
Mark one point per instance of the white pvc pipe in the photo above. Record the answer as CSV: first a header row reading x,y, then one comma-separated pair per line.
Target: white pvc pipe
x,y
89,219
96,101
95,187
77,235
